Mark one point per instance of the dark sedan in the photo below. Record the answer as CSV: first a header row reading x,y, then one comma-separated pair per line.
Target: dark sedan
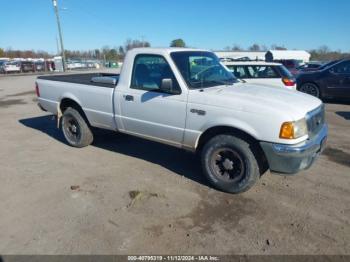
x,y
330,82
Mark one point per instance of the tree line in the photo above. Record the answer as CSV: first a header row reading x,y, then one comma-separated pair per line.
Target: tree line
x,y
323,53
117,53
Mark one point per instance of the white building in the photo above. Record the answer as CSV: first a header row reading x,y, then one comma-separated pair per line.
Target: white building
x,y
271,55
241,55
300,55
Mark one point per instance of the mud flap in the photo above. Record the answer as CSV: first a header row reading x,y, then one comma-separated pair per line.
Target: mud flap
x,y
59,115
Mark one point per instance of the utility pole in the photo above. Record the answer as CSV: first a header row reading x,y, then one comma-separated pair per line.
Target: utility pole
x,y
60,34
58,46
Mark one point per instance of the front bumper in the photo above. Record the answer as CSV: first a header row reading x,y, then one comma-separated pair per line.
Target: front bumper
x,y
290,159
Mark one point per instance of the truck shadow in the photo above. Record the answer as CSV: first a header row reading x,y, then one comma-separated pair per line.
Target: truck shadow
x,y
345,115
337,101
176,160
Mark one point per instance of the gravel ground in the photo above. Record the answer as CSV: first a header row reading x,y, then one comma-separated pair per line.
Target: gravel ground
x,y
125,195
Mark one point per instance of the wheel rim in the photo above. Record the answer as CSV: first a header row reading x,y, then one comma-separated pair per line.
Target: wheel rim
x,y
72,129
310,89
227,165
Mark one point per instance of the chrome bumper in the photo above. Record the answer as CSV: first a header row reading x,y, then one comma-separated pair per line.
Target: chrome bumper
x,y
290,159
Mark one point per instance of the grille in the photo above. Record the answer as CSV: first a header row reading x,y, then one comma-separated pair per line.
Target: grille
x,y
315,120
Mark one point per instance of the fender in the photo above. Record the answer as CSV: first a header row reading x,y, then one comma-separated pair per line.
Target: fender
x,y
69,96
228,122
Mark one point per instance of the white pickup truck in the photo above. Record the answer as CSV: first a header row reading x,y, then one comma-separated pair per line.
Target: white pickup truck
x,y
186,98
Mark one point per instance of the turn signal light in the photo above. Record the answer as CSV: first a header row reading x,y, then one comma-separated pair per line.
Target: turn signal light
x,y
287,130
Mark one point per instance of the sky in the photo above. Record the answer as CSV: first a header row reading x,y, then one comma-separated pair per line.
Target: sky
x,y
210,24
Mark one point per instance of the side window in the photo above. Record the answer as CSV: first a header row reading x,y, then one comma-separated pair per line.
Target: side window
x,y
262,72
343,68
149,71
239,71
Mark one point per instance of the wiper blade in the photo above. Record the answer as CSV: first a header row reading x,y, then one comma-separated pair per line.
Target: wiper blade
x,y
222,82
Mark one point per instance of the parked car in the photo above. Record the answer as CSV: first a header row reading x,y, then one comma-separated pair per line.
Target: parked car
x,y
328,64
2,63
331,82
290,64
27,66
312,66
11,67
39,66
186,98
271,74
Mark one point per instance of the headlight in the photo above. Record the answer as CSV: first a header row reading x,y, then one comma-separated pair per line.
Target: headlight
x,y
293,130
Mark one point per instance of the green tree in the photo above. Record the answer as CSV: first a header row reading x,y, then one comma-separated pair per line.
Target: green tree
x,y
178,43
2,52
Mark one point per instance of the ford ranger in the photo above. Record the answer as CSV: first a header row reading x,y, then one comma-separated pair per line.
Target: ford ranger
x,y
186,98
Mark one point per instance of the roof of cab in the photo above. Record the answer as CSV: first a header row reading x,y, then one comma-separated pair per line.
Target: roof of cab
x,y
262,63
167,50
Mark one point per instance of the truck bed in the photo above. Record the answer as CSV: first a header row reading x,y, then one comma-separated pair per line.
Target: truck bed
x,y
84,79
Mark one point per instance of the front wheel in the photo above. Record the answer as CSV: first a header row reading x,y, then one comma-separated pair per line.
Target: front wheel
x,y
311,89
229,164
75,128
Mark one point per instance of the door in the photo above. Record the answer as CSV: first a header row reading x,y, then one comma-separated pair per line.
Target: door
x,y
148,111
338,80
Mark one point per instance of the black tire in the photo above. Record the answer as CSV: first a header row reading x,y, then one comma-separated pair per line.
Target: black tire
x,y
76,129
311,89
229,164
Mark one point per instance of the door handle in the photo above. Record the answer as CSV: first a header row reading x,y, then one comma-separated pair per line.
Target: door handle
x,y
128,98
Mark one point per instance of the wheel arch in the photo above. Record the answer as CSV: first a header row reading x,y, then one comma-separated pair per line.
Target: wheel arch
x,y
68,101
230,130
308,82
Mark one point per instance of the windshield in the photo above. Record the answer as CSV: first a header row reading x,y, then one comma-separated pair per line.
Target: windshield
x,y
328,64
202,69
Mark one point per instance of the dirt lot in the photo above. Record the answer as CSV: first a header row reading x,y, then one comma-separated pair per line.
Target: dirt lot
x,y
124,195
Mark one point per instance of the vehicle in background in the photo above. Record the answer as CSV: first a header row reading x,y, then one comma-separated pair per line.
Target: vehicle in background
x,y
11,67
270,74
331,82
290,64
2,63
39,66
27,66
312,66
328,64
186,98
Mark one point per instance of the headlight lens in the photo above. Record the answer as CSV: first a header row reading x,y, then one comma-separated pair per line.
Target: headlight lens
x,y
293,130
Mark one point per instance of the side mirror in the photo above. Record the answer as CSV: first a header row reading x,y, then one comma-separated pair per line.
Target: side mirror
x,y
167,86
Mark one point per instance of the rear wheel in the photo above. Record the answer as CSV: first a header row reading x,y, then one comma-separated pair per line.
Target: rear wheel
x,y
229,164
75,129
311,89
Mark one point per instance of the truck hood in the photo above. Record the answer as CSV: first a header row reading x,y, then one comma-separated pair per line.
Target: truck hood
x,y
259,99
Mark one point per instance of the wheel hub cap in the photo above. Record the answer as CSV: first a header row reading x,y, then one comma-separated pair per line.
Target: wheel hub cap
x,y
227,164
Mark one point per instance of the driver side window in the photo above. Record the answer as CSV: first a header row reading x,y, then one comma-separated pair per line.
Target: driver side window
x,y
149,71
